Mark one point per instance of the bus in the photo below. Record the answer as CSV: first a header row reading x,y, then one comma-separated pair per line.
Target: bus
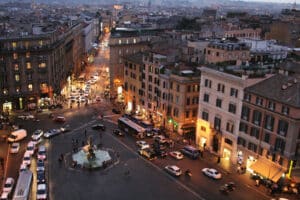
x,y
131,127
22,190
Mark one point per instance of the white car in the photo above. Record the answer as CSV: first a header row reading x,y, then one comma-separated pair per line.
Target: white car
x,y
23,167
8,185
176,154
142,144
26,116
173,170
37,134
51,133
14,148
30,148
212,173
27,159
4,196
41,193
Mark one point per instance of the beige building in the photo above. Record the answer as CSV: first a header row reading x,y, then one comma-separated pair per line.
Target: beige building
x,y
248,33
165,93
228,52
220,107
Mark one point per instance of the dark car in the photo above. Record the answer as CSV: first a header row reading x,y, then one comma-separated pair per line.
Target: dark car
x,y
161,154
118,132
116,111
65,128
41,177
98,127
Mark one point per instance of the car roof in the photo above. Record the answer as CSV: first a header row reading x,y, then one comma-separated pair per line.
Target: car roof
x,y
190,147
9,180
174,167
15,144
42,147
41,186
4,195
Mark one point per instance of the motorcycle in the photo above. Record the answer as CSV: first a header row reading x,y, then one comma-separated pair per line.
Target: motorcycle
x,y
188,173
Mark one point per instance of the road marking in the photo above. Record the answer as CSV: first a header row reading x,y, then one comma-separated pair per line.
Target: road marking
x,y
262,193
158,169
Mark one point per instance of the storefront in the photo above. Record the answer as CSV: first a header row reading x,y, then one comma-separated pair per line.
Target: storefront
x,y
6,107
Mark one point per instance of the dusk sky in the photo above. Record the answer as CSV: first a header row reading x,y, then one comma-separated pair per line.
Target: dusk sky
x,y
277,1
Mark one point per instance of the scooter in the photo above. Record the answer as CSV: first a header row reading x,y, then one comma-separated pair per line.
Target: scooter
x,y
188,173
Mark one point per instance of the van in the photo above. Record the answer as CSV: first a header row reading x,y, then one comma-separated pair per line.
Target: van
x,y
17,135
190,151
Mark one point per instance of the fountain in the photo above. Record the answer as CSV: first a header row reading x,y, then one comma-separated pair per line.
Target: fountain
x,y
91,157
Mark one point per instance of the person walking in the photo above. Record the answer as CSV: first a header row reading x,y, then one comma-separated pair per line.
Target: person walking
x,y
85,133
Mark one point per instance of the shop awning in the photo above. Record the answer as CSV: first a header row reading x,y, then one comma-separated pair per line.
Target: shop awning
x,y
188,126
268,170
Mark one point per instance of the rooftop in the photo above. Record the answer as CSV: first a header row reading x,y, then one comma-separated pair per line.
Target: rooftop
x,y
281,88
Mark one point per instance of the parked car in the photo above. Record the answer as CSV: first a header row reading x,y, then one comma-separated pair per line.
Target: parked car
x,y
116,111
98,127
40,176
40,166
212,173
27,159
147,153
14,148
26,116
30,148
23,167
51,133
37,134
41,155
142,144
176,154
41,193
60,119
191,152
8,185
173,170
118,132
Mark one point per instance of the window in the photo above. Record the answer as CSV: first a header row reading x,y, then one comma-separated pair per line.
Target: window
x,y
171,85
232,108
188,88
241,141
282,127
252,147
233,92
247,97
187,114
207,83
15,56
205,115
245,113
187,101
16,67
285,110
30,87
29,77
175,112
41,42
178,88
5,91
279,145
150,78
120,41
267,137
42,65
256,117
27,54
17,77
221,88
28,65
150,88
230,127
243,127
228,141
14,45
254,132
269,122
259,101
271,105
177,99
18,89
217,123
219,103
206,98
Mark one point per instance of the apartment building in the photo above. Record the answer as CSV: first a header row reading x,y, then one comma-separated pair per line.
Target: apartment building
x,y
270,125
37,65
243,33
164,93
220,107
229,52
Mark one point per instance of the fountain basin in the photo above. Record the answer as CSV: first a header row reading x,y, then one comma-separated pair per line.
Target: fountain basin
x,y
101,157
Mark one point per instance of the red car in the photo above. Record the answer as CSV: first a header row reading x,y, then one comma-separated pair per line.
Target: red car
x,y
60,119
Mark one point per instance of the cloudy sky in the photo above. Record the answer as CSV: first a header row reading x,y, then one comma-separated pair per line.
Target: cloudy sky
x,y
277,1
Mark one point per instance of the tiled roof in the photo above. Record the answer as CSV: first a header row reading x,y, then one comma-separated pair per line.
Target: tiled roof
x,y
281,88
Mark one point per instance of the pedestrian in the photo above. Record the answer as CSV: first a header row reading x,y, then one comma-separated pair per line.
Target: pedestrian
x,y
257,182
219,159
85,133
83,143
76,142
